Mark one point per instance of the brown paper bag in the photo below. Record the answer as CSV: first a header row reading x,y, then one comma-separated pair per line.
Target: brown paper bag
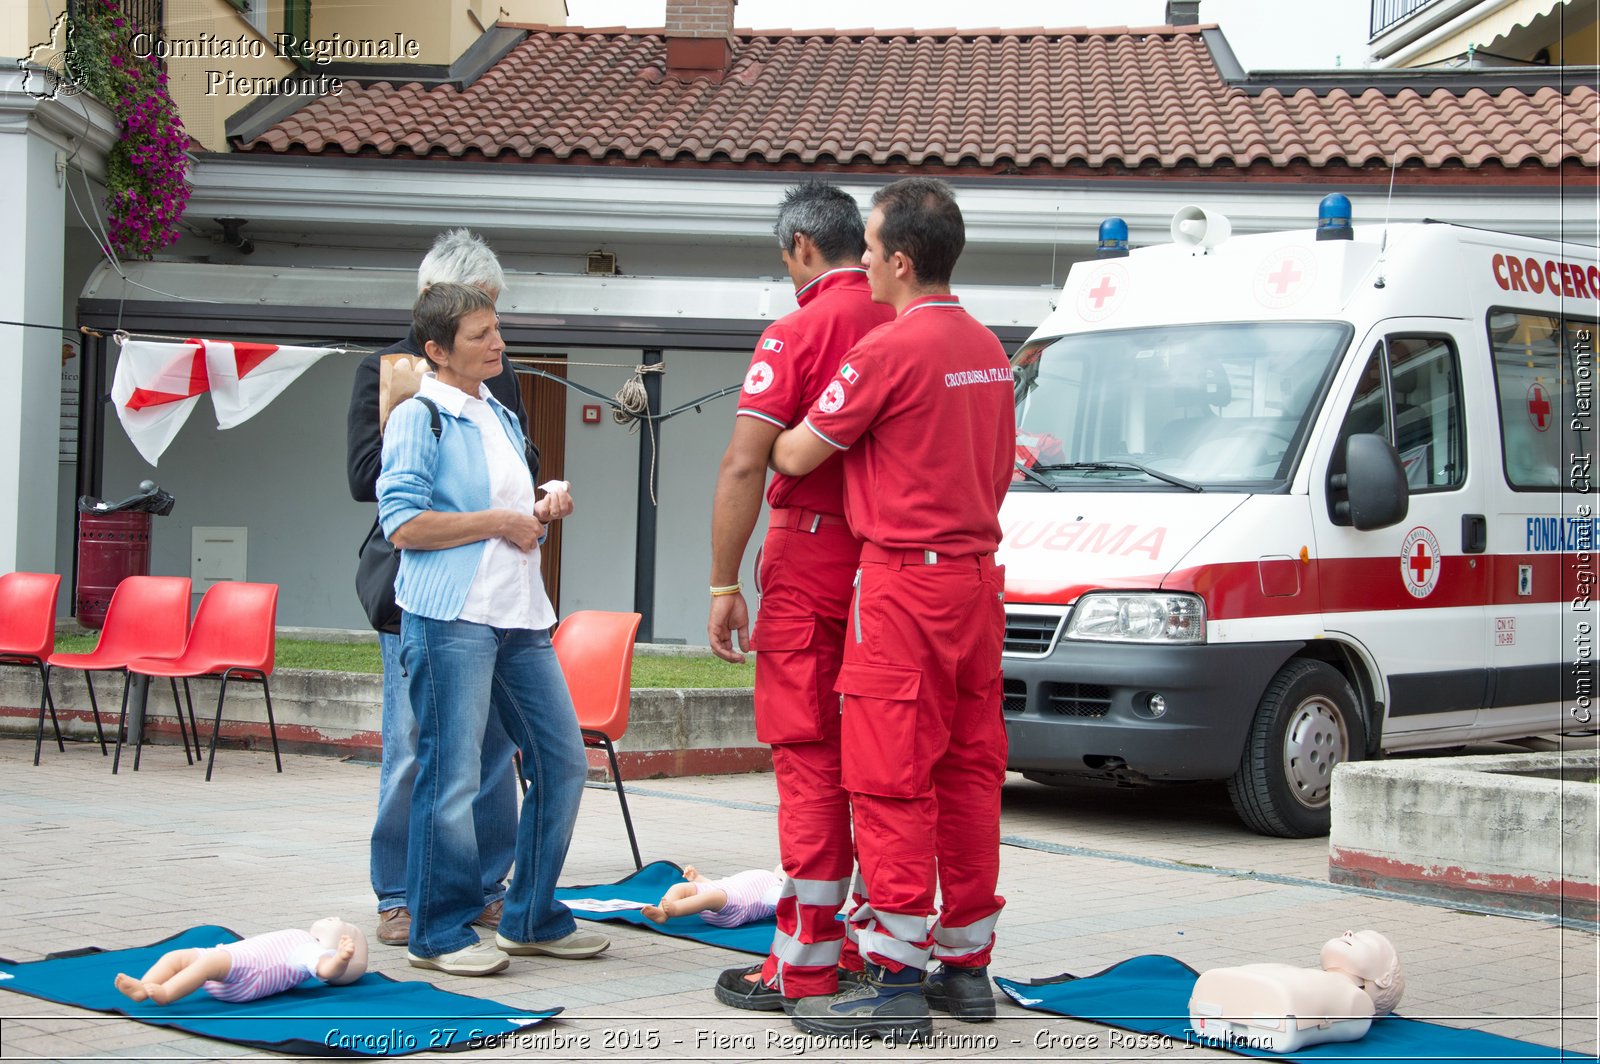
x,y
399,377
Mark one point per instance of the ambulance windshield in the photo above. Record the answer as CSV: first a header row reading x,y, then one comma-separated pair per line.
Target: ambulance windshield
x,y
1220,406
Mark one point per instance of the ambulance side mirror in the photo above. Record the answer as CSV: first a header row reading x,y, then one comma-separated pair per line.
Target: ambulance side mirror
x,y
1372,492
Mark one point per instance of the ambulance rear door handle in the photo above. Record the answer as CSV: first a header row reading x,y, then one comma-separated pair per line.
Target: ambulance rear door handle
x,y
1474,534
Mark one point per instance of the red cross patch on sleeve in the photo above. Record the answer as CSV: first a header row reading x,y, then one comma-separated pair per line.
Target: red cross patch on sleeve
x,y
759,379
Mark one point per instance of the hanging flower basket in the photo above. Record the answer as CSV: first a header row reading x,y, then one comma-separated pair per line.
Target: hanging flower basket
x,y
145,188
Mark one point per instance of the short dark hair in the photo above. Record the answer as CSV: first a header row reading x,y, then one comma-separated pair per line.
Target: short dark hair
x,y
920,219
827,214
438,311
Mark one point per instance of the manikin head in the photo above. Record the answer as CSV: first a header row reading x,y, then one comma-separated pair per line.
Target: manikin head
x,y
1371,961
328,931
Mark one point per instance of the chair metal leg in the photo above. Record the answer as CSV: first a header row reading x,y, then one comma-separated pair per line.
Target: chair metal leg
x,y
122,721
183,731
194,725
94,707
272,725
622,797
516,766
216,726
46,699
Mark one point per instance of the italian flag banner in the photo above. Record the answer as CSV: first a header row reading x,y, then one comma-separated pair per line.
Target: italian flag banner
x,y
158,384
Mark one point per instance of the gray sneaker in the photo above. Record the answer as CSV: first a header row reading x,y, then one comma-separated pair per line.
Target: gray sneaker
x,y
871,1009
574,946
480,958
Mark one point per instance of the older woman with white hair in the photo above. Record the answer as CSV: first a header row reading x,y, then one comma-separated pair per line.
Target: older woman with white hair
x,y
475,644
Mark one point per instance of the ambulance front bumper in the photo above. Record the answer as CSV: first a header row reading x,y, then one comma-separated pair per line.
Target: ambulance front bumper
x,y
1090,709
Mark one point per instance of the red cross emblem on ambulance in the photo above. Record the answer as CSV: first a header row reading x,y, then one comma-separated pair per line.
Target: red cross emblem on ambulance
x,y
1284,276
1420,561
1104,292
1539,407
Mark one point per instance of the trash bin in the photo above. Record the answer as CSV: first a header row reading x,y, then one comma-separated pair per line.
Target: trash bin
x,y
113,543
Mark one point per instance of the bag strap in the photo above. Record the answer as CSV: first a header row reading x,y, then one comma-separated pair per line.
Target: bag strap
x,y
433,409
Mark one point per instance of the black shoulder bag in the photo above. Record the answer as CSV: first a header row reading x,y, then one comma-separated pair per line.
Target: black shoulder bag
x,y
378,563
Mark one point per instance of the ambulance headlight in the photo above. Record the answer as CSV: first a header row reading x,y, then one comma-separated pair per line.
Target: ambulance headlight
x,y
1138,617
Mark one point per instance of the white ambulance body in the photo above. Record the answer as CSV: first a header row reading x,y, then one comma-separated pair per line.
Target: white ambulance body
x,y
1188,595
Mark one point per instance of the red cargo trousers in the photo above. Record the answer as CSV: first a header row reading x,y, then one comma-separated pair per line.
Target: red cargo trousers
x,y
925,753
808,564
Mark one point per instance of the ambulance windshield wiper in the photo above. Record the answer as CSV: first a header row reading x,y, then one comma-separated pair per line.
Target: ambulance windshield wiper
x,y
1036,478
1179,482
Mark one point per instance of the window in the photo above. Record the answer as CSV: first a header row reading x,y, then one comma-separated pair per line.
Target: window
x,y
1224,405
1544,373
1410,394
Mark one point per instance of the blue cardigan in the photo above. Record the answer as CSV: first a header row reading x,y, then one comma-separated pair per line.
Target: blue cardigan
x,y
448,474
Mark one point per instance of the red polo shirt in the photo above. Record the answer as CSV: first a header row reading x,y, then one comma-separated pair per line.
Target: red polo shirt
x,y
794,361
923,409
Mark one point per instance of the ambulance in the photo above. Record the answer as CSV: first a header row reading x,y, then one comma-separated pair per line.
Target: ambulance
x,y
1293,499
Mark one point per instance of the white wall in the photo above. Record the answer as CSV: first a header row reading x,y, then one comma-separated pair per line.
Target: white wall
x,y
282,476
598,559
31,221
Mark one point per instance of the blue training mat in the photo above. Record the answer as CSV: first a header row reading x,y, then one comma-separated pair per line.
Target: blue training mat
x,y
1150,995
374,1016
648,885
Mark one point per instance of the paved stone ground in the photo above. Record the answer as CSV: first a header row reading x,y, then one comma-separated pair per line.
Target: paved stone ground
x,y
1092,878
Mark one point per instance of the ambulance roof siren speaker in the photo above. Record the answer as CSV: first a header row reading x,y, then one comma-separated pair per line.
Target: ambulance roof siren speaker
x,y
1196,227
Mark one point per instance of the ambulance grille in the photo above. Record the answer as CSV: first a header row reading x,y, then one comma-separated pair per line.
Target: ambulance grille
x,y
1015,698
1031,634
1077,699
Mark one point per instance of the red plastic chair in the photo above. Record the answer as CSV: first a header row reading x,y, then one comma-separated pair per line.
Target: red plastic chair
x,y
595,649
234,637
148,618
28,635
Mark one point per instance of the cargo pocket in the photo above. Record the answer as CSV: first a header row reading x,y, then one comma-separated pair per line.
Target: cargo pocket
x,y
786,681
879,730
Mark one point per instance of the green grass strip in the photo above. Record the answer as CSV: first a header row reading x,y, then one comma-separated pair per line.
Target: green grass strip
x,y
648,671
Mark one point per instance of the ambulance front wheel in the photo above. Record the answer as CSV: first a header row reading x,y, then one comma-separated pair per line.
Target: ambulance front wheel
x,y
1308,721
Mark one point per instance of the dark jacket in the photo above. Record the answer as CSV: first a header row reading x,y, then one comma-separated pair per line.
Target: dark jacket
x,y
364,445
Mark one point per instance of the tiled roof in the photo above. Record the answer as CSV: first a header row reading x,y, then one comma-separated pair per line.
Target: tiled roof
x,y
1030,101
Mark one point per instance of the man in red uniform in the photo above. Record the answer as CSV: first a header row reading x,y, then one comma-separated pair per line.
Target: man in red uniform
x,y
808,563
923,410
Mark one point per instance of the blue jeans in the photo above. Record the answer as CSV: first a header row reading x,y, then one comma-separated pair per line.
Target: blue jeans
x,y
462,676
494,812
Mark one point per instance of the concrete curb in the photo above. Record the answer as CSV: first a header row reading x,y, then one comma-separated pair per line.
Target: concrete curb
x,y
695,732
1513,831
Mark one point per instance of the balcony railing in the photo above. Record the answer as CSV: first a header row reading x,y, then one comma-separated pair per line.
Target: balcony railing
x,y
143,15
1386,13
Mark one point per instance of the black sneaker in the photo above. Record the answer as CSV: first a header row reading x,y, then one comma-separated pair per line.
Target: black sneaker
x,y
736,988
962,992
882,1005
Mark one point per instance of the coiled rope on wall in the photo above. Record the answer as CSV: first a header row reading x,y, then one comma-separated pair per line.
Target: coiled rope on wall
x,y
630,407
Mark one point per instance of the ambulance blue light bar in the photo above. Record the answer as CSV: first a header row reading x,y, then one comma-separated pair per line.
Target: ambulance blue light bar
x,y
1113,239
1333,218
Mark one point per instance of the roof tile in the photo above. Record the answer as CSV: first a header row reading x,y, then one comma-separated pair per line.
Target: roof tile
x,y
990,99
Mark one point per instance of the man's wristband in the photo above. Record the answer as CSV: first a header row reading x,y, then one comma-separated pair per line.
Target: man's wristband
x,y
732,589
